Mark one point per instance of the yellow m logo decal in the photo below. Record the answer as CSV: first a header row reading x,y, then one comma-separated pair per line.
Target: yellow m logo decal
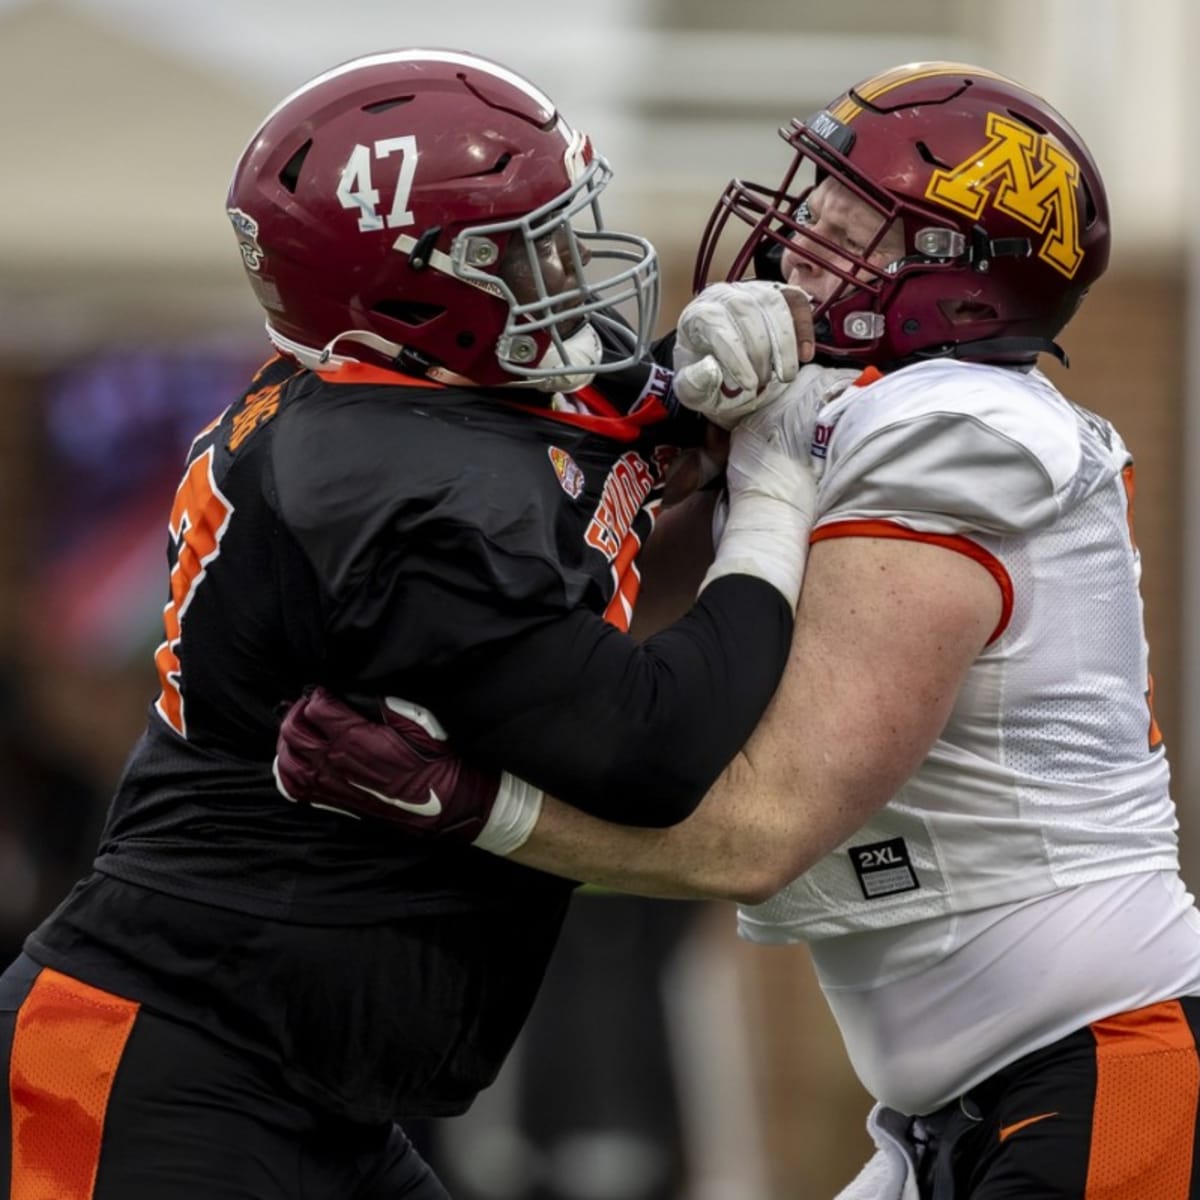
x,y
1029,177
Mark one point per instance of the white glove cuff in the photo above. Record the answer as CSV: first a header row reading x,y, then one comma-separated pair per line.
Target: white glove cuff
x,y
765,537
514,814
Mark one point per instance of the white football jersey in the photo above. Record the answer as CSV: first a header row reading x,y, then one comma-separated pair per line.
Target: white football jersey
x,y
1050,772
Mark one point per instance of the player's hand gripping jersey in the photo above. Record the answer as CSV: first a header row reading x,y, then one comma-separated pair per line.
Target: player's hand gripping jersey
x,y
471,550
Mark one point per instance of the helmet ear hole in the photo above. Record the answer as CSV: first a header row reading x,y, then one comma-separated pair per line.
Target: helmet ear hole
x,y
381,106
967,312
927,155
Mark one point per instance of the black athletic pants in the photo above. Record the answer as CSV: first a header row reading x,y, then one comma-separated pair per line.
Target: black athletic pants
x,y
107,1101
1107,1113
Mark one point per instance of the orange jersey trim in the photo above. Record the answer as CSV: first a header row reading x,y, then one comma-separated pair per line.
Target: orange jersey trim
x,y
1147,1091
603,417
360,373
955,542
628,580
68,1041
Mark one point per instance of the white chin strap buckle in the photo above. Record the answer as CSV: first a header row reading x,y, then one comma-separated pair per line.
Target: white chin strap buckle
x,y
583,352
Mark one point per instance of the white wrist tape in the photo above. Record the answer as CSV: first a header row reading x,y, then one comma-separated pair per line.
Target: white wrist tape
x,y
771,478
514,814
767,538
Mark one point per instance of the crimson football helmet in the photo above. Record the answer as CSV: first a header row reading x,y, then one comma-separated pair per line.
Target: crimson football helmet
x,y
432,210
999,207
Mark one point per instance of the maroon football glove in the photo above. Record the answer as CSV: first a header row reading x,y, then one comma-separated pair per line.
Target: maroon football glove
x,y
394,769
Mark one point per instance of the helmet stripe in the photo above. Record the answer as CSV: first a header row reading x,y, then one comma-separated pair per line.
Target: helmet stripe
x,y
457,57
848,107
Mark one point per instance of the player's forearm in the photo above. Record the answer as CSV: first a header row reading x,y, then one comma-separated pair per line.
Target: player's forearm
x,y
743,843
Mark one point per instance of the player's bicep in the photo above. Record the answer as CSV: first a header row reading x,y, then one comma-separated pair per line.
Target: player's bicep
x,y
885,634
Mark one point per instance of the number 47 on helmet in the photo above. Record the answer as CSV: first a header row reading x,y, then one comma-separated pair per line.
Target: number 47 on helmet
x,y
431,210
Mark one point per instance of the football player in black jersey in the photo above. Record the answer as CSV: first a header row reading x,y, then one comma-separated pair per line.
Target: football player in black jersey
x,y
422,494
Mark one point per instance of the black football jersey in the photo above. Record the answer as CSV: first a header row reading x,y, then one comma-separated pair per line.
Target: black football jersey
x,y
474,551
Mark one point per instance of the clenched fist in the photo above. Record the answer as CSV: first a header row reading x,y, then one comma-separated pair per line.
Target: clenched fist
x,y
739,345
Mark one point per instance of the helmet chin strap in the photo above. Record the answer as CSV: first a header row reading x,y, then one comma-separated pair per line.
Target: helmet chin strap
x,y
581,351
364,337
316,360
1000,350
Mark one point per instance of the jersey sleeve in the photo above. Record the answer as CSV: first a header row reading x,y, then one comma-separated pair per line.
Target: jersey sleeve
x,y
950,449
634,733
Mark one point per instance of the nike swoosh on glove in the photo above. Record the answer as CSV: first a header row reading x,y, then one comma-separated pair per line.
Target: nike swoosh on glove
x,y
395,768
398,769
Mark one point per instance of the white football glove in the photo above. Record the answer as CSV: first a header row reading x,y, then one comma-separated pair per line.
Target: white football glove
x,y
771,479
735,349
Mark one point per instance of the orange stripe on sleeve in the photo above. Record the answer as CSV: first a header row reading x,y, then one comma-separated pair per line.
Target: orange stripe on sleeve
x,y
628,583
68,1041
1147,1090
955,542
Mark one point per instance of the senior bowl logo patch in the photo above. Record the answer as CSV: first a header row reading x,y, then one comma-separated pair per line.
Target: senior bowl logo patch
x,y
246,228
567,470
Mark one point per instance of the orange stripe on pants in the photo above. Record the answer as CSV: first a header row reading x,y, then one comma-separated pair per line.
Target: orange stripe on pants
x,y
1147,1088
68,1040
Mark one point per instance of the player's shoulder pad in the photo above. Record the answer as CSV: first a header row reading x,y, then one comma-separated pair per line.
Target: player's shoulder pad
x,y
350,464
951,447
347,454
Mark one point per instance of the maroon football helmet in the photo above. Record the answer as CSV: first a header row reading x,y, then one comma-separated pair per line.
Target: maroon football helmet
x,y
419,208
1000,208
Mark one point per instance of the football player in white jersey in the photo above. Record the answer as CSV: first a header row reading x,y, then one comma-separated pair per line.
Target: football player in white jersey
x,y
959,798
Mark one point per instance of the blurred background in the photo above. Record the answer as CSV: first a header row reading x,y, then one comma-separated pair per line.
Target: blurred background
x,y
666,1061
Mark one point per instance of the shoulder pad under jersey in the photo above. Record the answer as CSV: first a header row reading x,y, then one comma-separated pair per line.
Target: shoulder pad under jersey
x,y
950,447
